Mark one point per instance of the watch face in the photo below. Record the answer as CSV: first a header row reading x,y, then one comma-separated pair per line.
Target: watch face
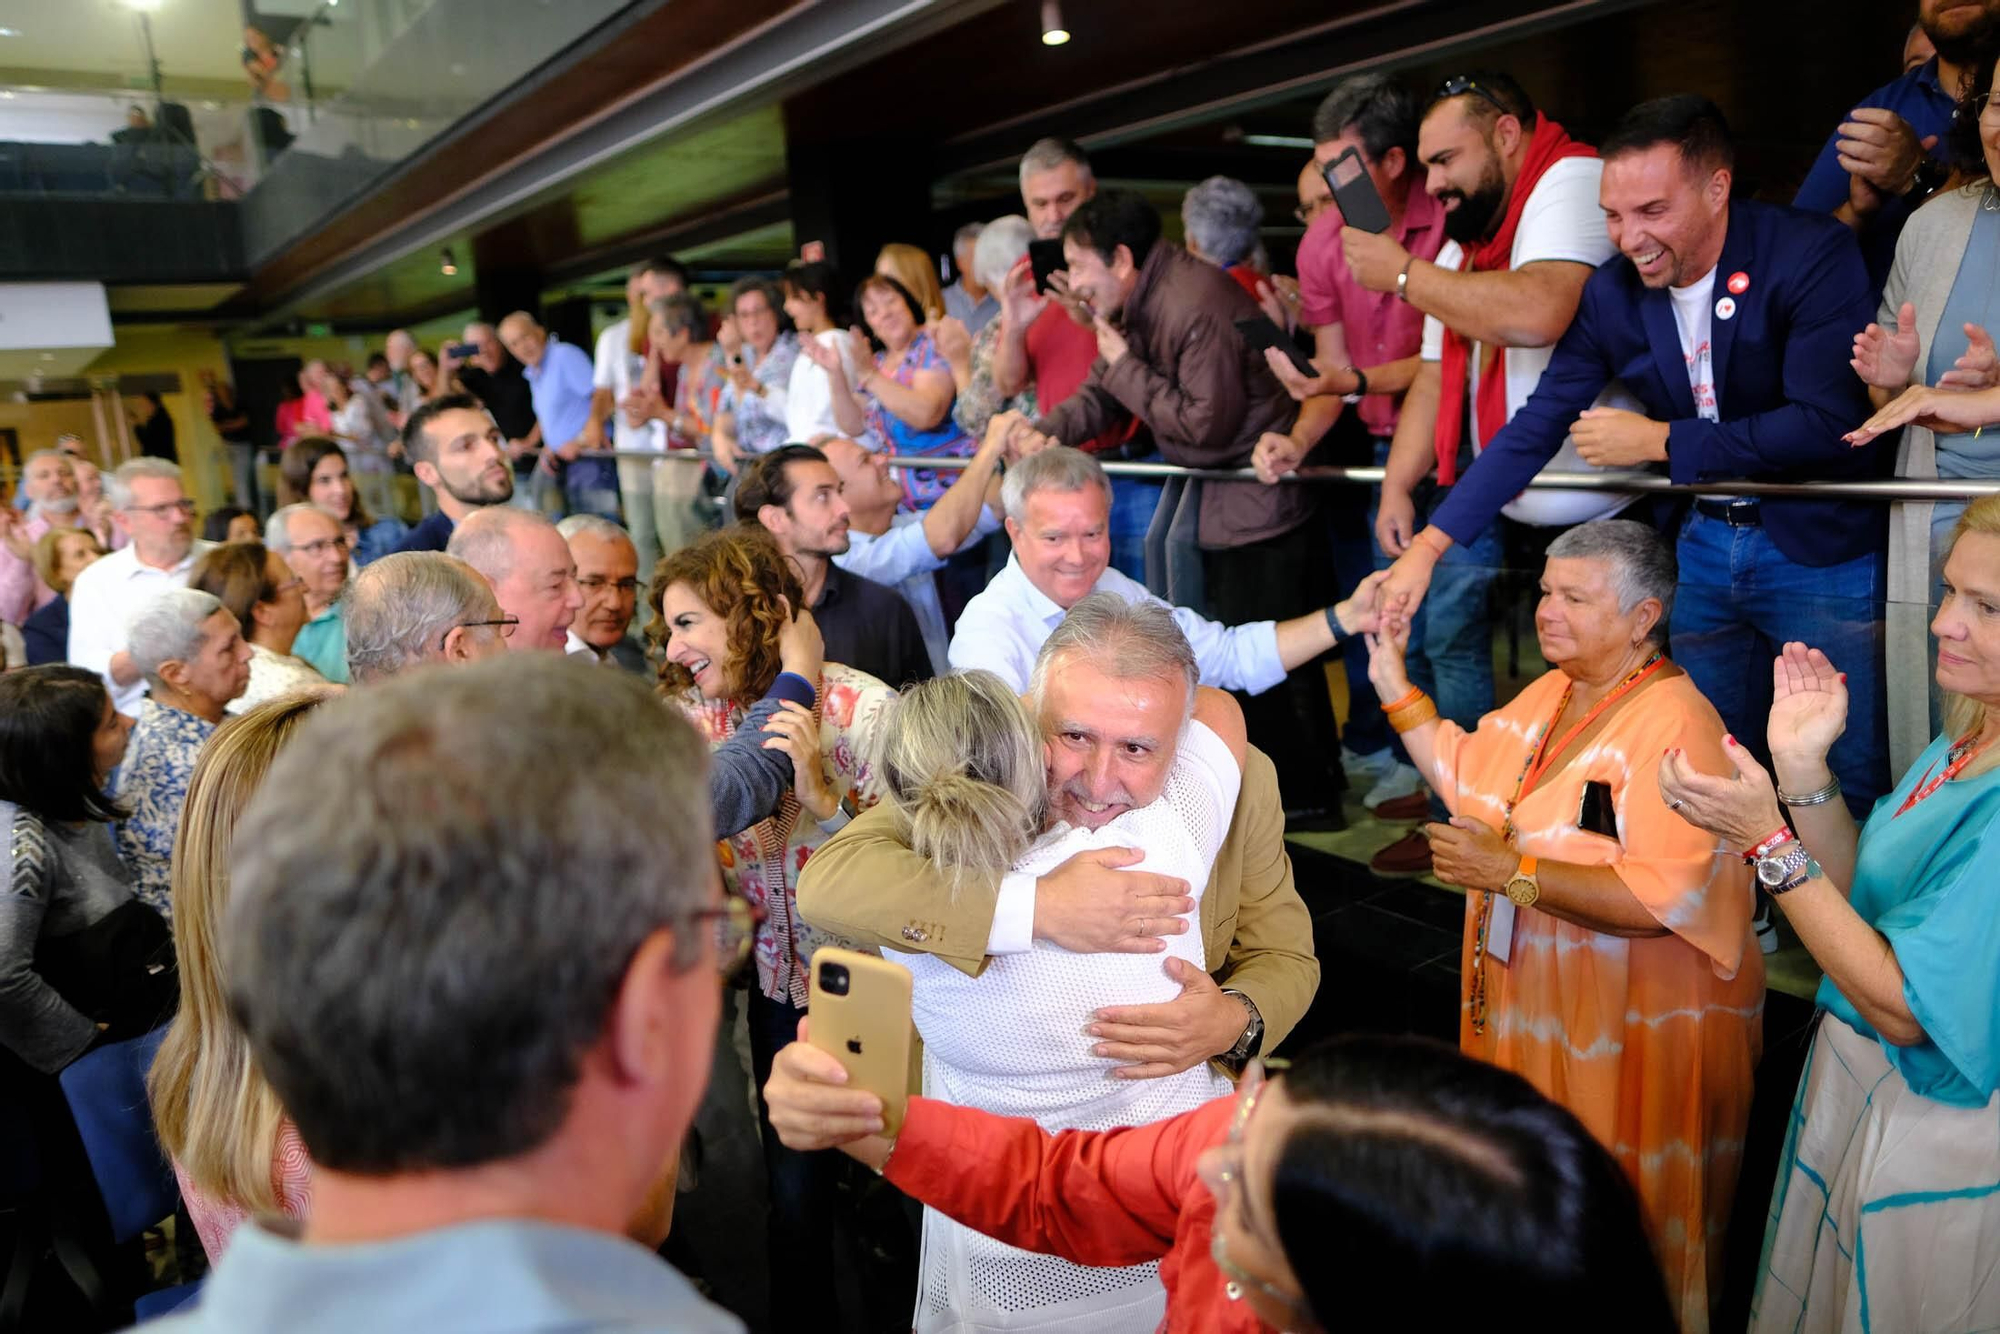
x,y
1523,891
1773,870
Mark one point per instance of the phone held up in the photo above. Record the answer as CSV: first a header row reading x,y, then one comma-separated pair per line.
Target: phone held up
x,y
1261,334
1046,258
1355,195
461,351
860,1008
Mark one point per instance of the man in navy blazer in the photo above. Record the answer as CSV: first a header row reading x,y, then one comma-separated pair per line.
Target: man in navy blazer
x,y
1732,322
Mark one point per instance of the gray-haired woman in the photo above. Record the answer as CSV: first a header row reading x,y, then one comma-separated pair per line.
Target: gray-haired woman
x,y
1220,219
1002,245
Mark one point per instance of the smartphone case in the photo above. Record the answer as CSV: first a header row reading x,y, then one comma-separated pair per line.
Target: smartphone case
x,y
867,1030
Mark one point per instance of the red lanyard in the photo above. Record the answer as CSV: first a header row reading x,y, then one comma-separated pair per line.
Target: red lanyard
x,y
1963,752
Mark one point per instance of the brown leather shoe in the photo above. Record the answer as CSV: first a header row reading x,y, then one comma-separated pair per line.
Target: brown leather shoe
x,y
1409,855
1405,810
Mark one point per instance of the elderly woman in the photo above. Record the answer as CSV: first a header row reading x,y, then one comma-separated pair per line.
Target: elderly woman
x,y
315,471
900,404
963,765
1608,952
1377,1183
233,1148
818,307
269,603
80,958
677,330
1941,300
758,354
60,554
1895,1132
191,652
720,606
1221,217
911,267
1002,245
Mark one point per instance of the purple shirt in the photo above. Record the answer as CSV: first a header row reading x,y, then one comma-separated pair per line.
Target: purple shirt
x,y
1380,327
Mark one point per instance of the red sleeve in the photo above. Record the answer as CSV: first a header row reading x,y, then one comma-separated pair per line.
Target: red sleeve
x,y
1110,1197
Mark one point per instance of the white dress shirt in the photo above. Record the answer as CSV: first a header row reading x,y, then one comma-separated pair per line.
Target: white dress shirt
x,y
273,674
617,369
105,595
902,558
1003,629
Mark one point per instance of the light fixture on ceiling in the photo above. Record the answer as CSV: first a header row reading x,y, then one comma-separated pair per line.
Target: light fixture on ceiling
x,y
446,264
10,32
143,6
1276,141
1053,31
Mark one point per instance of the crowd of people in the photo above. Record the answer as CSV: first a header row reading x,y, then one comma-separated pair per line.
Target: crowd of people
x,y
268,784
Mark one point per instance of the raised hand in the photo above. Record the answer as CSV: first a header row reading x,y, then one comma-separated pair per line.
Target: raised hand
x,y
1886,358
1978,368
1808,707
795,731
1388,647
1739,809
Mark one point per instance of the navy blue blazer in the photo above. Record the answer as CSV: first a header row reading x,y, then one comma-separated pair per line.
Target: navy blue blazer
x,y
1783,388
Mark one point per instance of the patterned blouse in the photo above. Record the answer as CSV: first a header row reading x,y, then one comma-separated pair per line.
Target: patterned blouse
x,y
982,402
152,785
885,430
215,1221
760,418
763,862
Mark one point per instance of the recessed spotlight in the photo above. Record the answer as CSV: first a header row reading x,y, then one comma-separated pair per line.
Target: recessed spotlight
x,y
10,32
446,264
48,356
1053,31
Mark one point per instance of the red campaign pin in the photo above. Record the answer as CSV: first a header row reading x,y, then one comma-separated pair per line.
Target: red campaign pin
x,y
1739,282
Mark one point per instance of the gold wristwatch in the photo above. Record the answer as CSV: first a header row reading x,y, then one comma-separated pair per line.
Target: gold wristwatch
x,y
1522,887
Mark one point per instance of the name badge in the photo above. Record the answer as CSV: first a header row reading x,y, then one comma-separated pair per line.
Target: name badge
x,y
1500,929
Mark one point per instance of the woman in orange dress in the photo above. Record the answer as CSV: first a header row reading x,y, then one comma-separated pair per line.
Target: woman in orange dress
x,y
1608,956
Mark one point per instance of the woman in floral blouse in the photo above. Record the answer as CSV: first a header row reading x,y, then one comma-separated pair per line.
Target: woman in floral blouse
x,y
718,607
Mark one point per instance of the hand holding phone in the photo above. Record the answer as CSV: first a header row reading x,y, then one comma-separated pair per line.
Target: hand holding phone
x,y
1047,259
1261,334
860,1008
1355,195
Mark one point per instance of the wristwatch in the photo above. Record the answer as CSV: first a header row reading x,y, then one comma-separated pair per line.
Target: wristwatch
x,y
842,813
1522,887
1252,1039
1781,873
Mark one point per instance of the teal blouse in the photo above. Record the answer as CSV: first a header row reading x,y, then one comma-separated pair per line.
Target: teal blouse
x,y
1926,880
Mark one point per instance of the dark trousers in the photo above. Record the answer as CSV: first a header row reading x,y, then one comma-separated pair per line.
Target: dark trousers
x,y
1292,722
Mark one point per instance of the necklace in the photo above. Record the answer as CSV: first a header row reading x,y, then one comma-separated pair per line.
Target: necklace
x,y
1541,758
1962,753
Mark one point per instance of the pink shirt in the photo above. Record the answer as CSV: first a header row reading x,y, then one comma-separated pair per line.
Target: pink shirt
x,y
21,592
1380,328
215,1221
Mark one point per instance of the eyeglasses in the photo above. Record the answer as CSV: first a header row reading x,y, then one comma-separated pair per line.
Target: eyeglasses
x,y
506,625
1223,1173
592,583
181,507
736,924
1305,213
1459,85
324,545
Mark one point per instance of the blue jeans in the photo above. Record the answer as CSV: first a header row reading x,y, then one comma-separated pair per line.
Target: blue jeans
x,y
1133,500
1740,599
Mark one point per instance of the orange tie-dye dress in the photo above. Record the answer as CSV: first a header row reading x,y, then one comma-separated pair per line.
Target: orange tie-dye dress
x,y
1651,1042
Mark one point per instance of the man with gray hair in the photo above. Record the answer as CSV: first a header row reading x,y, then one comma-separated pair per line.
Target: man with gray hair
x,y
1113,686
411,608
48,482
314,543
492,1025
607,573
968,300
531,570
149,505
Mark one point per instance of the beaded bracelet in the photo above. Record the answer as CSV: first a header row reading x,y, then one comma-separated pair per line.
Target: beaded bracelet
x,y
1817,797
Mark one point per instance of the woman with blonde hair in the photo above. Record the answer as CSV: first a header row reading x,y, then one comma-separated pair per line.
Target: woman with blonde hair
x,y
233,1149
963,765
1895,1129
911,267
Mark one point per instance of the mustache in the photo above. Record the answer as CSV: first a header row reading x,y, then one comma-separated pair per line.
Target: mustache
x,y
1076,789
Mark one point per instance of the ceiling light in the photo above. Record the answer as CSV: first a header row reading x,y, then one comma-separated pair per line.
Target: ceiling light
x,y
1277,141
10,32
143,6
48,356
1053,31
446,264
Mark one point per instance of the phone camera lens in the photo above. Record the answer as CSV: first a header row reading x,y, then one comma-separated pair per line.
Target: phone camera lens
x,y
833,979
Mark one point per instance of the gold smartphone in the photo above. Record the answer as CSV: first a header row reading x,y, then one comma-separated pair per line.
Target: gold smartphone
x,y
860,1010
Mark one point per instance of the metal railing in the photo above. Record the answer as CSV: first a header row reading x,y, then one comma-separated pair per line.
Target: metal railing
x,y
1889,488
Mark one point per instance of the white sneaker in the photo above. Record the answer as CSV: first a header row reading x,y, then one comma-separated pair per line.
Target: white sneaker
x,y
1398,780
1767,930
1362,770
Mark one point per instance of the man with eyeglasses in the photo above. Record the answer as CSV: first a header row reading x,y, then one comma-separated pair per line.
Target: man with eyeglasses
x,y
532,573
607,571
314,544
149,505
418,608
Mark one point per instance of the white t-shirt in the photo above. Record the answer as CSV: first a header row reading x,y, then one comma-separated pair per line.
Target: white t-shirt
x,y
809,397
1695,318
617,368
1561,221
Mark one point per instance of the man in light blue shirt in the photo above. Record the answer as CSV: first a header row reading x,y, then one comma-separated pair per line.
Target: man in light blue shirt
x,y
901,549
561,381
490,1028
1058,505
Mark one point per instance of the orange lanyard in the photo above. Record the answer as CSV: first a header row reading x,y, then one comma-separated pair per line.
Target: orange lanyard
x,y
1543,757
1963,752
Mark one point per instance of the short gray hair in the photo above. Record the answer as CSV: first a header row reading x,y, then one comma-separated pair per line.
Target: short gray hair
x,y
278,528
484,539
1641,563
167,628
593,525
1059,468
118,486
968,233
1048,154
1221,216
1000,248
404,944
1128,641
1377,107
51,453
401,606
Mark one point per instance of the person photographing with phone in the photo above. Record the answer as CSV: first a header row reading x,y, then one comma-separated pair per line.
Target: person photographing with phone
x,y
1608,954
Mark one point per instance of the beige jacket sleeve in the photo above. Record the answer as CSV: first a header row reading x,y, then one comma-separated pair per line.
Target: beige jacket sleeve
x,y
865,884
1257,911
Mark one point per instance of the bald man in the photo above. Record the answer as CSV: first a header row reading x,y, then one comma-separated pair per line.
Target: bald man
x,y
531,570
561,380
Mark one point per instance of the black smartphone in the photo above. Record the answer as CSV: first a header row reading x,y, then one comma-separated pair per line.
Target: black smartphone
x,y
461,351
1354,193
1260,333
1047,258
1595,813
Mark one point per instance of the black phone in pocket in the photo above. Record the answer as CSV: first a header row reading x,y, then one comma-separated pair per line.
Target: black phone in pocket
x,y
1595,813
1355,195
1046,257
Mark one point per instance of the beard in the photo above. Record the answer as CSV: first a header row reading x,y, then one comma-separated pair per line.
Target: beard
x,y
62,505
1965,40
1472,221
477,493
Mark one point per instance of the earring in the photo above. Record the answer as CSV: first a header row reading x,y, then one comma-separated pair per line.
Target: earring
x,y
1233,1290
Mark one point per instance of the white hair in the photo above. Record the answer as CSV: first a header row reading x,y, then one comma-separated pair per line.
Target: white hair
x,y
278,528
999,248
1058,469
485,538
1048,154
1127,641
399,609
118,486
1221,216
167,628
593,525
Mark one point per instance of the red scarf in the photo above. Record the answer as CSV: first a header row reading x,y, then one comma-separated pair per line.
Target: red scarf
x,y
1549,145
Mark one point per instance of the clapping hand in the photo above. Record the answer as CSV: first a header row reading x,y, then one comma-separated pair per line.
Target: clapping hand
x,y
1739,809
1808,706
1886,358
824,356
1878,148
1978,368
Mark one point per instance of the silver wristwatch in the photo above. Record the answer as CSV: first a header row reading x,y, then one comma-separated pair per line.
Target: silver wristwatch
x,y
1780,873
1252,1039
